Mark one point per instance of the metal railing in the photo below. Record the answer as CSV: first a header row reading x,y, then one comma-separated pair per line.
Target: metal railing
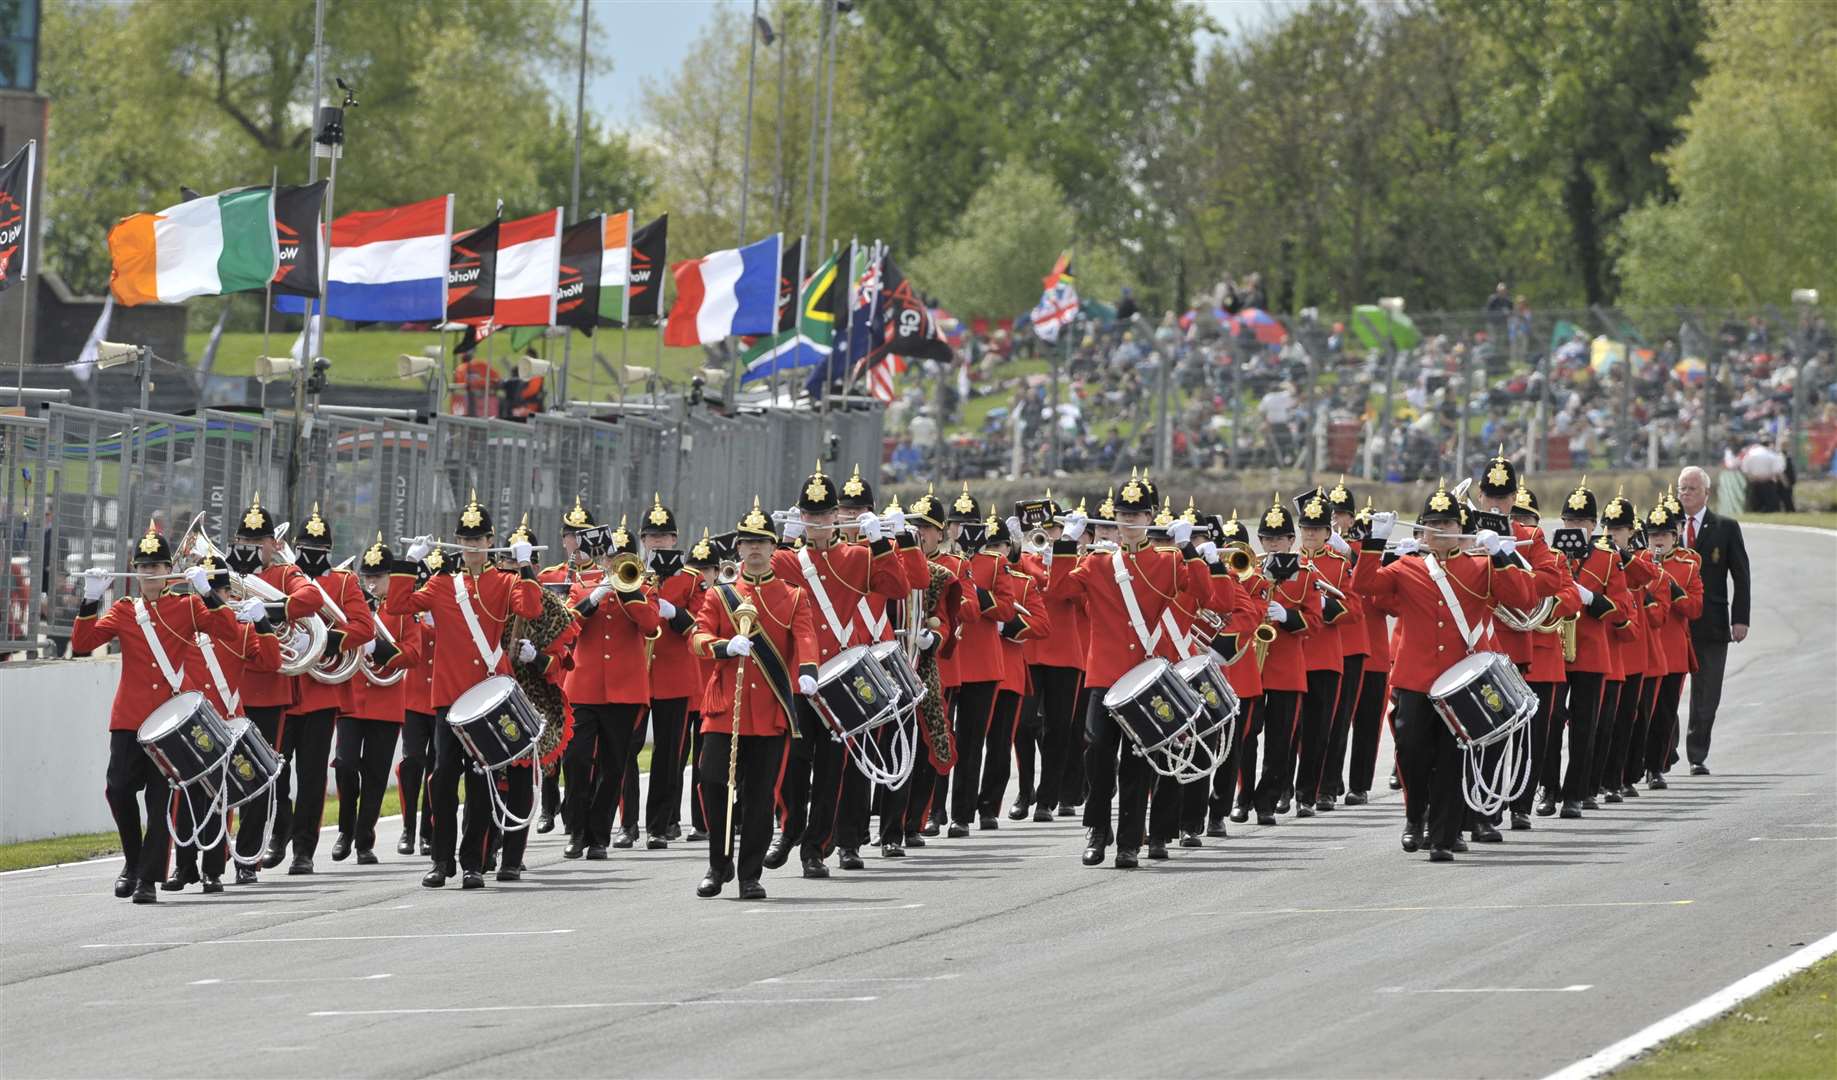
x,y
82,484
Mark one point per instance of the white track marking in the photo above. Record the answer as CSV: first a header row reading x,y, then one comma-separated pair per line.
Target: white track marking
x,y
596,1005
329,978
342,937
1575,989
1448,907
814,909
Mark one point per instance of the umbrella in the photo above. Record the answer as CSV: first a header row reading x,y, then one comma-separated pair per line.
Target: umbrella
x,y
1375,328
1267,330
1604,354
1690,371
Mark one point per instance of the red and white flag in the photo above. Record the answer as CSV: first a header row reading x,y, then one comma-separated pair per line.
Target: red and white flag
x,y
528,270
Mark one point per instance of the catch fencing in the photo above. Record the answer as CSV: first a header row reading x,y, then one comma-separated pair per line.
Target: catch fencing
x,y
81,485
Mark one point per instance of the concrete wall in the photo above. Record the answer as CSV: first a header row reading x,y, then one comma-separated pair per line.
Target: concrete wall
x,y
54,747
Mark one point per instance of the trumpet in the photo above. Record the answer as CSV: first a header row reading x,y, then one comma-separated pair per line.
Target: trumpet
x,y
1241,562
1036,542
625,573
728,573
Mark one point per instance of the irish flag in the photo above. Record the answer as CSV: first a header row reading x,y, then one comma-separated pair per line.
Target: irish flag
x,y
206,247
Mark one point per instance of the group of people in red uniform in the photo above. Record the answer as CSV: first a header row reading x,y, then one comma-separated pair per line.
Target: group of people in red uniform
x,y
1338,621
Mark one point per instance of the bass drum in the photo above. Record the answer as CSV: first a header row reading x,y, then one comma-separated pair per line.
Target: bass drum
x,y
253,765
187,740
495,722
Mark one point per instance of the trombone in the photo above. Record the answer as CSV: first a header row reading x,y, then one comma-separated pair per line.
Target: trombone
x,y
625,573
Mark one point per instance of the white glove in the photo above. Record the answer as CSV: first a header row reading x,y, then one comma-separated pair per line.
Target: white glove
x,y
522,550
526,651
1407,546
251,610
870,526
95,582
926,639
298,642
794,527
1323,603
1508,545
426,617
600,593
370,647
200,580
1489,541
1587,596
894,523
739,646
1381,524
1209,552
665,608
1338,543
419,549
1276,613
1014,528
1074,525
806,685
1180,532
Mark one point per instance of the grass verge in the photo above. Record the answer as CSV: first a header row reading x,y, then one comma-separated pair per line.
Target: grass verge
x,y
76,848
1788,1030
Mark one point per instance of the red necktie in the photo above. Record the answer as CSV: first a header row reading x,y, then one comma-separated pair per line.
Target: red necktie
x,y
1691,540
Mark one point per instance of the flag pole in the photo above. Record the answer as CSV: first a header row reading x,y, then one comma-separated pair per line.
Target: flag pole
x,y
312,176
779,375
27,242
746,183
274,188
580,126
829,110
810,152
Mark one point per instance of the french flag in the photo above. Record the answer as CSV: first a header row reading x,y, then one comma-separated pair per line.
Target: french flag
x,y
725,294
387,265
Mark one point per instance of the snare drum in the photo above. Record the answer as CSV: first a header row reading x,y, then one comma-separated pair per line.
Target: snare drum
x,y
854,694
892,657
1208,681
253,765
1483,699
495,722
187,739
1155,709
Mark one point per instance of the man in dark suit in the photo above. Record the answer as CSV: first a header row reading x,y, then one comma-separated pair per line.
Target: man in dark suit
x,y
1725,613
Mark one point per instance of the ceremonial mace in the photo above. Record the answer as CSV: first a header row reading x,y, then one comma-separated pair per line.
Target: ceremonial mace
x,y
745,617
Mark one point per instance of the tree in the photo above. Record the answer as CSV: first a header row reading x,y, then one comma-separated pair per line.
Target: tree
x,y
214,94
1756,174
1004,243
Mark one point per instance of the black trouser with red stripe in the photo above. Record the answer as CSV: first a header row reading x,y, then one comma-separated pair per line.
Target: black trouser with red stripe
x,y
1541,721
595,766
826,814
308,744
761,762
998,753
1662,731
365,749
1057,690
1317,710
975,708
132,773
1029,745
1368,728
663,806
1127,779
1429,765
630,808
1281,709
1333,769
1631,763
1228,783
1626,715
252,824
692,743
1585,696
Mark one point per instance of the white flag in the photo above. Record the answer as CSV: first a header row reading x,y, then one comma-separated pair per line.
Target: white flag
x,y
85,367
298,352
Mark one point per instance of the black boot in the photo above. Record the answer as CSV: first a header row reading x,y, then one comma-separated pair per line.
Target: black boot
x,y
1520,822
144,893
124,885
1357,798
815,868
366,856
1126,859
1484,833
245,875
213,883
406,845
472,879
275,854
301,864
752,890
1191,839
436,877
1412,836
849,858
341,847
1157,851
779,853
546,823
1094,844
1215,825
180,877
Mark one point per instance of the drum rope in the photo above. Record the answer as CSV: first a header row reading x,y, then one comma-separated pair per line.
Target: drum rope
x,y
1511,774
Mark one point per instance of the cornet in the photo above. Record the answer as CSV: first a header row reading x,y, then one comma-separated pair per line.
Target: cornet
x,y
625,573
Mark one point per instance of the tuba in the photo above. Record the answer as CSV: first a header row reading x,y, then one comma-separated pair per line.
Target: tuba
x,y
368,666
302,640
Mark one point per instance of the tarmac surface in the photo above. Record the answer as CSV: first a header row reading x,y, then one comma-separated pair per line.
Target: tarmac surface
x,y
1310,948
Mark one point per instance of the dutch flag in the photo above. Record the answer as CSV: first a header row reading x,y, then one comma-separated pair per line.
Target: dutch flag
x,y
387,265
725,294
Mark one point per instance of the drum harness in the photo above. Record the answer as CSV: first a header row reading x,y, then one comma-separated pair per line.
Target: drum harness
x,y
500,810
1484,794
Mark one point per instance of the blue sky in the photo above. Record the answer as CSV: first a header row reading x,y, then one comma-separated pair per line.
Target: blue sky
x,y
649,38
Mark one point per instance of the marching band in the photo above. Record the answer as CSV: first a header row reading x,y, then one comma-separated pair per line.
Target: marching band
x,y
822,667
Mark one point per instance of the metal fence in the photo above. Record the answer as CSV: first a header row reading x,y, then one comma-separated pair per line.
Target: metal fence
x,y
81,484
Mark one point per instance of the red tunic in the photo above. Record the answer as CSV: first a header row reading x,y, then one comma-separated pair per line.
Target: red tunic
x,y
1600,573
948,677
495,596
1154,576
1028,626
785,619
989,594
1325,648
1428,639
675,672
1630,646
269,688
372,702
609,667
1684,568
175,616
846,573
236,653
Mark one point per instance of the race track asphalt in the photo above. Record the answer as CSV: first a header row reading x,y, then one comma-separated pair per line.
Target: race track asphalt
x,y
1310,948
